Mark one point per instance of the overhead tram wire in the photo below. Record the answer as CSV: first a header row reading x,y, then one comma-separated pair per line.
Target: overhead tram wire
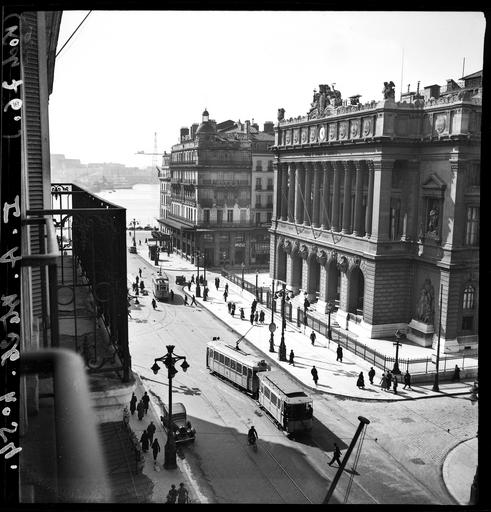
x,y
73,33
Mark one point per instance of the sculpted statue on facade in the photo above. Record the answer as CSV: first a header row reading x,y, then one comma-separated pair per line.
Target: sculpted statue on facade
x,y
343,264
388,90
425,310
434,215
281,114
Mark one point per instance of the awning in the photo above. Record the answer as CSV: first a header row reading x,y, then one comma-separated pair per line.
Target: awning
x,y
176,225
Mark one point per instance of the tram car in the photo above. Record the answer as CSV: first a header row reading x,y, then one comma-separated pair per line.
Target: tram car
x,y
290,407
236,366
160,286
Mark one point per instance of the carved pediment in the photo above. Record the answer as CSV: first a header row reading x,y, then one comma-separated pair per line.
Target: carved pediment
x,y
434,186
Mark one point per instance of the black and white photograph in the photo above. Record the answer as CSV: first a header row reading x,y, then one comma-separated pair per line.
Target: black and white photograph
x,y
239,256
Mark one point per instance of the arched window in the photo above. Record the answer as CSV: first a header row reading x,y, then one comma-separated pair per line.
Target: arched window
x,y
469,297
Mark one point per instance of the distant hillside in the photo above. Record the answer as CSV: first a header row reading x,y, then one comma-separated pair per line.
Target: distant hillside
x,y
98,176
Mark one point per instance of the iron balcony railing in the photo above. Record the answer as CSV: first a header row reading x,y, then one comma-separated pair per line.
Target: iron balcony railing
x,y
90,290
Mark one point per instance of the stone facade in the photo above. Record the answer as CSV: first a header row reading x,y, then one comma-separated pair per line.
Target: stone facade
x,y
377,206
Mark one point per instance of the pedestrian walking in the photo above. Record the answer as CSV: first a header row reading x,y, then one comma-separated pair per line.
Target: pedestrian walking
x,y
407,380
205,293
226,287
229,306
361,381
151,431
218,282
185,300
395,383
140,410
134,287
336,455
172,494
254,305
140,271
389,379
137,292
182,494
146,401
144,441
172,295
315,375
136,279
312,337
261,316
225,295
154,304
252,318
133,402
193,301
192,278
306,304
142,285
232,309
292,355
371,374
242,315
339,354
155,448
456,374
256,317
189,285
383,382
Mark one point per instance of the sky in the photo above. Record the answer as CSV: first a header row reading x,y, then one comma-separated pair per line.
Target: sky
x,y
128,75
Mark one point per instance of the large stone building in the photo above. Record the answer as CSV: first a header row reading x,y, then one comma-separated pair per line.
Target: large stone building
x,y
377,208
211,208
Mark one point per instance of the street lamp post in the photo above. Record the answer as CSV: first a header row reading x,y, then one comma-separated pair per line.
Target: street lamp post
x,y
256,281
169,361
395,369
330,308
198,288
435,384
282,349
243,265
133,223
204,267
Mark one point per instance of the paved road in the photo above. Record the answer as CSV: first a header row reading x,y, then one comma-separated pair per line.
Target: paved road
x,y
401,456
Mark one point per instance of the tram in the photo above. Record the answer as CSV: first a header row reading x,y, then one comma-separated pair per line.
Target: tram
x,y
160,285
290,407
235,366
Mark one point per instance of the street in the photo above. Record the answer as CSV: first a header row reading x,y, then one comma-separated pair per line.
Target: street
x,y
401,456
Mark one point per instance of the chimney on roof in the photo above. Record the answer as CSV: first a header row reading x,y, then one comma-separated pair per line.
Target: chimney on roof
x,y
269,127
247,127
184,133
194,127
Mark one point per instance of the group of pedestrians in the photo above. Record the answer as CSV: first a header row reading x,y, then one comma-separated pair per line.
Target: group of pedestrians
x,y
180,495
147,440
141,406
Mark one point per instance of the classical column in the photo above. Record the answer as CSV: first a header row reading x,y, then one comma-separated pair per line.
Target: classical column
x,y
369,212
338,169
358,227
284,192
326,196
347,197
277,177
317,194
299,190
307,194
291,192
412,228
382,186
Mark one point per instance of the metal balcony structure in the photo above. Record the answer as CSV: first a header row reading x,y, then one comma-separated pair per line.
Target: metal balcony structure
x,y
87,284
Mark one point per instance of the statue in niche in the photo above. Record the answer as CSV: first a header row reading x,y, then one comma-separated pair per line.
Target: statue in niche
x,y
433,219
281,114
425,311
388,90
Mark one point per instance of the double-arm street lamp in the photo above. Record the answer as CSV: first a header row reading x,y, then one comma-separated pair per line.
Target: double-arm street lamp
x,y
169,361
330,309
133,224
282,349
436,387
395,369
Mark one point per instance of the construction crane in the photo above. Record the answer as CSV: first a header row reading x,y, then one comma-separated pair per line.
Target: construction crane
x,y
155,153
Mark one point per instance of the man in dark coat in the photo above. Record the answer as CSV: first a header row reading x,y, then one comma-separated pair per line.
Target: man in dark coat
x,y
336,455
389,379
395,384
312,337
144,441
361,381
261,316
407,380
292,355
155,448
172,494
315,375
371,374
146,401
456,374
133,403
151,431
141,410
339,352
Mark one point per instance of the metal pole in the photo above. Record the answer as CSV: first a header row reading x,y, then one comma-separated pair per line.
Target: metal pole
x,y
256,282
363,422
435,384
242,275
282,349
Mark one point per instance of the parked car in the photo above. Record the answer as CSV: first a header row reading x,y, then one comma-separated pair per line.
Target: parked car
x,y
132,249
183,430
180,280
